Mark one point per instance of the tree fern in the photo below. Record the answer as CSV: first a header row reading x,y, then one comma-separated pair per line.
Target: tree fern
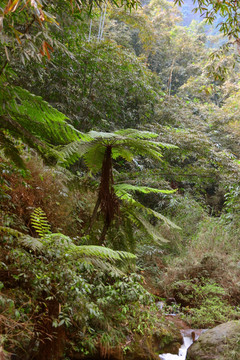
x,y
99,150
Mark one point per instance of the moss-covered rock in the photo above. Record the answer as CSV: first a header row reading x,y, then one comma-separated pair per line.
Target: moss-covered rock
x,y
219,343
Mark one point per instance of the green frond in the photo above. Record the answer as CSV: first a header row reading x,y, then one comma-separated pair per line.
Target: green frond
x,y
119,151
102,265
162,217
41,118
137,134
131,201
34,121
142,147
159,144
83,252
122,188
73,151
144,225
101,135
22,239
31,243
94,157
40,223
99,252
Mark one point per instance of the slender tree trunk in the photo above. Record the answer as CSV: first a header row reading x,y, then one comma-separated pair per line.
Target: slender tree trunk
x,y
170,77
104,233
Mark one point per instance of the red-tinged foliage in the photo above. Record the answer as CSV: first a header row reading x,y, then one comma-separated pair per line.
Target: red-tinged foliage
x,y
42,188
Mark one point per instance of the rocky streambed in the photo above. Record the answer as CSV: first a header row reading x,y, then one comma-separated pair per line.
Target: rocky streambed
x,y
189,336
220,343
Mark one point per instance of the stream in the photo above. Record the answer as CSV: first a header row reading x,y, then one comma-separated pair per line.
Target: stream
x,y
189,336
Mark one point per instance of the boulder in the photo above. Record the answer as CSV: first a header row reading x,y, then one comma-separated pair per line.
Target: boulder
x,y
220,343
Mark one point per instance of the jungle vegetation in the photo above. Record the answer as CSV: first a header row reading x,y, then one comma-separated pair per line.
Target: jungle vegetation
x,y
120,173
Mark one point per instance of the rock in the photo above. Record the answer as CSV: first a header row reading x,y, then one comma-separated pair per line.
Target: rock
x,y
219,343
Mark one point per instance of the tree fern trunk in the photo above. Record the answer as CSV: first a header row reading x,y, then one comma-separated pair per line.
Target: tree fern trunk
x,y
103,234
94,214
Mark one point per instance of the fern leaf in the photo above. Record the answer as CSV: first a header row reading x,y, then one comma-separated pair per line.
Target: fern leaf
x,y
146,226
122,188
119,151
22,239
73,151
45,121
40,223
131,201
101,135
103,265
80,253
100,252
163,218
137,134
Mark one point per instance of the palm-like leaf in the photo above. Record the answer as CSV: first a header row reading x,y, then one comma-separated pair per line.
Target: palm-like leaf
x,y
29,118
138,213
124,143
122,189
68,248
22,239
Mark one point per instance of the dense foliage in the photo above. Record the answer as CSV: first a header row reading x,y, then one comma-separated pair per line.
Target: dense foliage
x,y
119,187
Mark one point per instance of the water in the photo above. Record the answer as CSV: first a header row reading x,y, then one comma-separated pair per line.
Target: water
x,y
188,337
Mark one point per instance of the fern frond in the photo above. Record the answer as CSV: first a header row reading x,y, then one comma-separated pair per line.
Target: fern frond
x,y
82,252
40,223
137,134
46,122
119,151
131,201
100,252
103,265
142,147
162,217
31,243
94,157
22,239
101,135
121,189
73,151
34,121
144,225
